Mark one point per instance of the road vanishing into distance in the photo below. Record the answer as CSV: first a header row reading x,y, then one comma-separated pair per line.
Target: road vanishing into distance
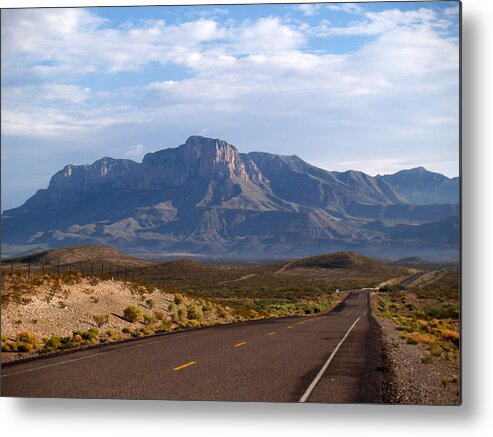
x,y
332,357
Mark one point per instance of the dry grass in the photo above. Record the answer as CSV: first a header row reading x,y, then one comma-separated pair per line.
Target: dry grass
x,y
426,315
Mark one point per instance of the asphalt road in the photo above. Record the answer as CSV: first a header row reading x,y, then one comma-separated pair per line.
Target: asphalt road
x,y
329,358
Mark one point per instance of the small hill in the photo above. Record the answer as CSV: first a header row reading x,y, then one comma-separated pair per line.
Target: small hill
x,y
81,254
339,260
411,261
179,268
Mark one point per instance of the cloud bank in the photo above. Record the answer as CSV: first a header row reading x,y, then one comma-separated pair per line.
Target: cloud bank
x,y
336,84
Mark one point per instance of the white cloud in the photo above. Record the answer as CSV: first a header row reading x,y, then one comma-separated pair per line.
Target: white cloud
x,y
308,10
135,152
350,8
267,34
452,11
256,83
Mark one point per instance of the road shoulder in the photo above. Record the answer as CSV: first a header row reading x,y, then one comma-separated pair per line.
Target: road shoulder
x,y
412,381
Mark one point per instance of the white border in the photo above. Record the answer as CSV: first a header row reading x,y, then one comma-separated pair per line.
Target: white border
x,y
60,417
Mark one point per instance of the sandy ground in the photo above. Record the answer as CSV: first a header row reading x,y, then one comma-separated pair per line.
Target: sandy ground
x,y
72,308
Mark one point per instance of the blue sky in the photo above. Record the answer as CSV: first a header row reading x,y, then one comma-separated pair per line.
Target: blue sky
x,y
371,87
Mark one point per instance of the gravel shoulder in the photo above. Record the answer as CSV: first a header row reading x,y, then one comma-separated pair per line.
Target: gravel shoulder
x,y
412,381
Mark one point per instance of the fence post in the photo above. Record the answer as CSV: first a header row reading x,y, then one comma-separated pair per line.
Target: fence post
x,y
58,267
29,270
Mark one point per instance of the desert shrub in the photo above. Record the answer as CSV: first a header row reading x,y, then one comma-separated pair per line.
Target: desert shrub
x,y
93,281
126,330
206,308
181,314
25,347
193,324
444,311
94,299
222,313
158,315
146,330
90,335
392,288
151,303
194,312
452,336
165,326
52,343
435,349
132,314
149,319
27,337
101,319
179,299
8,345
111,333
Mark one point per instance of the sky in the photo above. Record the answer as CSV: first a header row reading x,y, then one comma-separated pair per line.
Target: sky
x,y
363,86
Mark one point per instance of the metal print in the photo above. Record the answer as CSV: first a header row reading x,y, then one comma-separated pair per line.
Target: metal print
x,y
232,202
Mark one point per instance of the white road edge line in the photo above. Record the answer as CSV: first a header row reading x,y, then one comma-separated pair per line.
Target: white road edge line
x,y
310,388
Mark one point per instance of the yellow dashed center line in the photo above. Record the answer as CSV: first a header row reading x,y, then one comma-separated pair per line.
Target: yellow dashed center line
x,y
301,323
289,327
271,333
240,344
191,363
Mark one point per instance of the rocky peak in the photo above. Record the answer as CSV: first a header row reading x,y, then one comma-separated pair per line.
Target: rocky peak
x,y
90,176
209,157
199,157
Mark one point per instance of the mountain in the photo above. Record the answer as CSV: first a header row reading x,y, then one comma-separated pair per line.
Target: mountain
x,y
420,186
339,260
204,197
80,254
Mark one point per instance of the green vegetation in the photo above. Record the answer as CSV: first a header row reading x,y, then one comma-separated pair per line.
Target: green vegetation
x,y
149,319
101,319
197,295
132,314
426,315
194,312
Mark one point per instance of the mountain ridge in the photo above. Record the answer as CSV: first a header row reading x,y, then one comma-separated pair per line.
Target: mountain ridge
x,y
205,196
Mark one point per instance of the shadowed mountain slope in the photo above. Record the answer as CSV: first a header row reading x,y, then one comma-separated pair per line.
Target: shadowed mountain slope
x,y
205,197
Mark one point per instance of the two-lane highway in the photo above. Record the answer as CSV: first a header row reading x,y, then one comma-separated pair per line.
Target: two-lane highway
x,y
329,358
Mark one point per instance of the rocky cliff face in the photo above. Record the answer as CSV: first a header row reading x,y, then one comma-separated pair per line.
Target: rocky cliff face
x,y
199,157
206,197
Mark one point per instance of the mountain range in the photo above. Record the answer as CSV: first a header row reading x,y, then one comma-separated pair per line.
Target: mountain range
x,y
205,198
